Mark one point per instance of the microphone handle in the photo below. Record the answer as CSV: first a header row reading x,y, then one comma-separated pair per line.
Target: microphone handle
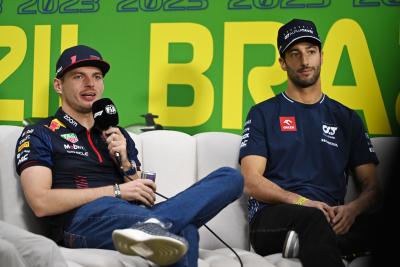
x,y
118,158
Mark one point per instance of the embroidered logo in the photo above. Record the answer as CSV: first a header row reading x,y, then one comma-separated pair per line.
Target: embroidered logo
x,y
71,137
23,145
288,124
329,130
55,125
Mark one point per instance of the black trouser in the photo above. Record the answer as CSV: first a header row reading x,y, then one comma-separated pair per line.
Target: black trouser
x,y
319,245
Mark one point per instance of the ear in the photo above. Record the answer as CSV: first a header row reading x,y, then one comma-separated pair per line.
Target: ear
x,y
57,84
282,62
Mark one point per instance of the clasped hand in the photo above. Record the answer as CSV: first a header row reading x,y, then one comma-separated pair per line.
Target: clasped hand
x,y
341,218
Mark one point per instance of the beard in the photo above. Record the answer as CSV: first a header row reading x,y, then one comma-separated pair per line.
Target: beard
x,y
303,83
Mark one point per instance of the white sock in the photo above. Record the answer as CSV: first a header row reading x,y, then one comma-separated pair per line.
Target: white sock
x,y
154,220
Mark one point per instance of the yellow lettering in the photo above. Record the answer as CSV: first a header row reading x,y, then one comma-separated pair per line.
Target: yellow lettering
x,y
14,38
260,79
365,95
163,73
41,71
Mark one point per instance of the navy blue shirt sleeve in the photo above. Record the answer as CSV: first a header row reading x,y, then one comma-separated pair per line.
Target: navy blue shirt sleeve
x,y
254,135
33,148
361,151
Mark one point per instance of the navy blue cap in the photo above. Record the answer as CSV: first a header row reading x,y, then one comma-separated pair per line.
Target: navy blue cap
x,y
295,31
79,56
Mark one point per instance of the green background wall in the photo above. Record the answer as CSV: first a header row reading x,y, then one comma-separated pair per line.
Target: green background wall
x,y
199,64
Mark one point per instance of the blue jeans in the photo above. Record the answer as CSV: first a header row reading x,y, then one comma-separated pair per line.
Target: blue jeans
x,y
93,223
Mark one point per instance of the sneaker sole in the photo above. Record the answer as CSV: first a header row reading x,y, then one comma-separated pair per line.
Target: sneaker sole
x,y
161,250
289,250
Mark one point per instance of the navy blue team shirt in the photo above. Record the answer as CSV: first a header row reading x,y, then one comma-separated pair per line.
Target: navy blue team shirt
x,y
310,148
78,158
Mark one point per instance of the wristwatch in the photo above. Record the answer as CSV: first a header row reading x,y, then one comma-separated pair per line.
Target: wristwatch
x,y
131,171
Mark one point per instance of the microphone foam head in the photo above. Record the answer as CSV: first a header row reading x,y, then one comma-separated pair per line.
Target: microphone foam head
x,y
105,114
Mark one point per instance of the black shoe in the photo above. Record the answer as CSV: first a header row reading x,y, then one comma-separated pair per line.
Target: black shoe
x,y
291,245
151,241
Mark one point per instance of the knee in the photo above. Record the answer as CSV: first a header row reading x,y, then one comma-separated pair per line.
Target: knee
x,y
233,177
314,219
315,215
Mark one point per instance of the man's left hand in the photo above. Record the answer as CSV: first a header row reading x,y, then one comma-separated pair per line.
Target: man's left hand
x,y
343,219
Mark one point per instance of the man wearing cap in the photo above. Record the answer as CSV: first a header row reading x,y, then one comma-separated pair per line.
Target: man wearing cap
x,y
70,175
296,152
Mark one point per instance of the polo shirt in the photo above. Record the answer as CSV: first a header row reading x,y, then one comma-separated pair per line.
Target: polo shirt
x,y
78,158
310,148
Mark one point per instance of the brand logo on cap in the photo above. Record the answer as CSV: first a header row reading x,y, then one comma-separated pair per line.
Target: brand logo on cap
x,y
288,124
73,59
59,69
298,29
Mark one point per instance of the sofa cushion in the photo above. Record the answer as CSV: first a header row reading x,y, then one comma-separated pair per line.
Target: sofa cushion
x,y
214,150
102,258
172,155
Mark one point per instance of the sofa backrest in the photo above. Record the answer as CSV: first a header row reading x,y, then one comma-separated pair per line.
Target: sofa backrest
x,y
386,149
172,155
214,150
179,160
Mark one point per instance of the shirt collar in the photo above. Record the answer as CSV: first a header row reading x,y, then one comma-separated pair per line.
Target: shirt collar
x,y
293,101
70,122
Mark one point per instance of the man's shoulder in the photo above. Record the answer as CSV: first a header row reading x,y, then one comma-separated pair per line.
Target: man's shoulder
x,y
268,103
40,126
336,106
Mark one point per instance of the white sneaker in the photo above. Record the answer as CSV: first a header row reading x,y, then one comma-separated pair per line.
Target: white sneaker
x,y
291,245
150,241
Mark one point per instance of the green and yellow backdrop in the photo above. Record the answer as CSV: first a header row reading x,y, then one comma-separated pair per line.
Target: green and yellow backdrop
x,y
199,64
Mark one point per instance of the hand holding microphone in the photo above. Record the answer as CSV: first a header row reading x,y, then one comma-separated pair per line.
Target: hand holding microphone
x,y
106,119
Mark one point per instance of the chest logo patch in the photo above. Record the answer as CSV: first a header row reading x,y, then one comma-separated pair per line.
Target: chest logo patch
x,y
55,125
329,130
71,137
288,124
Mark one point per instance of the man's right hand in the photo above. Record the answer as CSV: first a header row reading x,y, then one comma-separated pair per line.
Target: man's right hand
x,y
325,208
142,190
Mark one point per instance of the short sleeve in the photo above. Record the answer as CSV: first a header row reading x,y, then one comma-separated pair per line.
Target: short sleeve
x,y
254,135
33,148
362,150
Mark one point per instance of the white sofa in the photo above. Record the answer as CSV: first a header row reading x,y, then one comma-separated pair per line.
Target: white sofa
x,y
179,160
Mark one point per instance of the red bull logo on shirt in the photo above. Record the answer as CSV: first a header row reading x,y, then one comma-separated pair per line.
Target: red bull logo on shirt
x,y
55,125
